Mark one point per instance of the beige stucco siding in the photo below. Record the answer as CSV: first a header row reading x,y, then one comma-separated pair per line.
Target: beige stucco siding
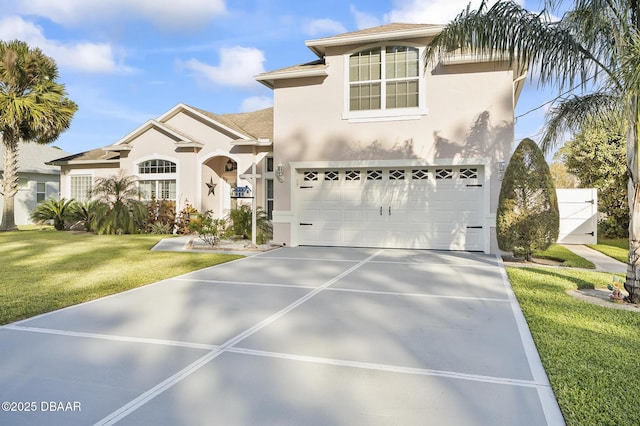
x,y
96,171
468,116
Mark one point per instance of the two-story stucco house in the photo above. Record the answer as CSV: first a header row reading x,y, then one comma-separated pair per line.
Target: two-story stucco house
x,y
378,151
364,146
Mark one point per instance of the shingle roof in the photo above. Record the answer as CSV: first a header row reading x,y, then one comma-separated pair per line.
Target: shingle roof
x,y
33,158
256,124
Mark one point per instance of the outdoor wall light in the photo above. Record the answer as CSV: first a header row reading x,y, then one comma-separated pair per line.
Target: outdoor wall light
x,y
280,172
230,166
502,166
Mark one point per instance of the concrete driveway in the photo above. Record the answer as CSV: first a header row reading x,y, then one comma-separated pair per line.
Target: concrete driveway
x,y
306,336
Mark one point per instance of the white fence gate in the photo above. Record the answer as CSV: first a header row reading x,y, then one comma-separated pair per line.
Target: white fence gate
x,y
578,215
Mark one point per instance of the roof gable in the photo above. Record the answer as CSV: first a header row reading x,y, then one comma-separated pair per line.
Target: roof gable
x,y
151,124
211,119
393,31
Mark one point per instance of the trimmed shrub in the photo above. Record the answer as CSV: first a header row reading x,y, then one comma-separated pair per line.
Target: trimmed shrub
x,y
527,217
52,210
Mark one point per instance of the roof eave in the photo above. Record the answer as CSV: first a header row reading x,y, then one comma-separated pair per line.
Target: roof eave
x,y
318,46
82,162
252,142
269,78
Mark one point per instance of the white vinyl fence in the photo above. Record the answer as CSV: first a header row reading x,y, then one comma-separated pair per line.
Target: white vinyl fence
x,y
578,215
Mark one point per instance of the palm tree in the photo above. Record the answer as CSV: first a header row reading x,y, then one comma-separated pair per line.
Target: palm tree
x,y
33,107
85,212
57,211
595,46
120,211
241,223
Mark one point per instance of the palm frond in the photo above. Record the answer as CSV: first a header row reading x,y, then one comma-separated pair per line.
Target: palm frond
x,y
507,31
576,112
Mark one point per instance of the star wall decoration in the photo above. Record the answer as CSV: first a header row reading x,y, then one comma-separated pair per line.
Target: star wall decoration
x,y
212,187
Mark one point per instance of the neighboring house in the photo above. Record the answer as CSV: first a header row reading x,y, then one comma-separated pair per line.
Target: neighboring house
x,y
37,180
364,146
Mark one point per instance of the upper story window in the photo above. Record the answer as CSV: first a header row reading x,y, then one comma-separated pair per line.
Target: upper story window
x,y
384,78
157,166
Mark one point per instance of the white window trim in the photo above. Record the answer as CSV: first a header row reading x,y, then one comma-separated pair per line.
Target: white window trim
x,y
159,176
76,173
267,175
391,114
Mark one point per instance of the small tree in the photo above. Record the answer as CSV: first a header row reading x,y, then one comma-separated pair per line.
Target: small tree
x,y
596,155
57,211
120,211
527,217
240,222
210,230
85,212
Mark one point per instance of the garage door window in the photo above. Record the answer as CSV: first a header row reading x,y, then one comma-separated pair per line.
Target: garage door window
x,y
374,174
396,174
444,173
469,173
352,175
331,175
419,174
310,176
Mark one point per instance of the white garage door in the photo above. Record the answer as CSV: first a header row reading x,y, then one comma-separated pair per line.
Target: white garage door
x,y
411,207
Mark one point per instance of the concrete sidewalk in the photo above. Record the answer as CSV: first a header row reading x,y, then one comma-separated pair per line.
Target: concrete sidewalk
x,y
603,262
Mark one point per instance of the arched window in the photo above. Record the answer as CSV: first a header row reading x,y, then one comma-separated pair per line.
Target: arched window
x,y
156,166
385,77
162,187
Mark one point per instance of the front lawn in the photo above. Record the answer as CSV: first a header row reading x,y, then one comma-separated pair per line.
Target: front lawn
x,y
617,249
566,257
44,270
589,352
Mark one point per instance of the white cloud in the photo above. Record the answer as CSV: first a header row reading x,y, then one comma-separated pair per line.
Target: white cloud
x,y
429,11
181,14
324,26
238,66
81,56
255,103
364,20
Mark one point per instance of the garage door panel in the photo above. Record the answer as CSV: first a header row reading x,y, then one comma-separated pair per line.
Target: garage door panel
x,y
403,207
309,215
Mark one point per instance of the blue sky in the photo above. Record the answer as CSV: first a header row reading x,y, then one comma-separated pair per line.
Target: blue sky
x,y
127,61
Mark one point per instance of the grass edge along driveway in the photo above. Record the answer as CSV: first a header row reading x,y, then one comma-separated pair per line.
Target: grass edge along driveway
x,y
45,270
589,352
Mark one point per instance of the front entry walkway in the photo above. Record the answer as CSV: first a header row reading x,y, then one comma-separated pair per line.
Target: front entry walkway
x,y
306,335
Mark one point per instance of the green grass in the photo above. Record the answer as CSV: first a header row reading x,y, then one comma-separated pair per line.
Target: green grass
x,y
568,258
617,249
589,352
44,270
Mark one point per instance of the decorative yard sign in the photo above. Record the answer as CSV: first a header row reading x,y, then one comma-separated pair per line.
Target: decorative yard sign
x,y
241,192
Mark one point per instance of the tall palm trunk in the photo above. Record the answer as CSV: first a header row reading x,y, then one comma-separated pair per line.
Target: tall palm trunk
x,y
9,184
632,284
